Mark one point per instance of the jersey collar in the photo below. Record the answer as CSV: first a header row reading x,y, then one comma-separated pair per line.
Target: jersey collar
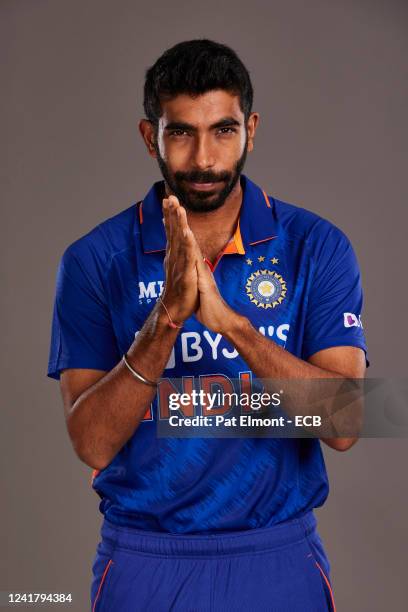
x,y
257,221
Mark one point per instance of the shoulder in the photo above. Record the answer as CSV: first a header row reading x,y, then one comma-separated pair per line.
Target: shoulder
x,y
319,235
94,251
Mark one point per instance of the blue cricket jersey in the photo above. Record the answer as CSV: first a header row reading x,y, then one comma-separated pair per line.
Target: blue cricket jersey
x,y
293,274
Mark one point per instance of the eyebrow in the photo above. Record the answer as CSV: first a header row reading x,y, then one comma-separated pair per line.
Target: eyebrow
x,y
181,125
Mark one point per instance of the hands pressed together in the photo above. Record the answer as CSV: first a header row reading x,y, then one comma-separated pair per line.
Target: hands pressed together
x,y
190,287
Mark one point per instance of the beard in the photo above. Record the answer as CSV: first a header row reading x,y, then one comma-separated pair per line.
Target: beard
x,y
202,201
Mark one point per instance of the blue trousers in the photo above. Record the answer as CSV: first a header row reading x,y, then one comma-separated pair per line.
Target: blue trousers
x,y
283,568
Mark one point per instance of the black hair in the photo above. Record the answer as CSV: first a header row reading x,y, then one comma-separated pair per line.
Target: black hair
x,y
195,67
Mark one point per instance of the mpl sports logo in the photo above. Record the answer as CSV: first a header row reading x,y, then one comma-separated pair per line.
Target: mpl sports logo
x,y
150,291
352,320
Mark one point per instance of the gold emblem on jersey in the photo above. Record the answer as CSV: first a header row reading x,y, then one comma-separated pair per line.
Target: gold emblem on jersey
x,y
266,288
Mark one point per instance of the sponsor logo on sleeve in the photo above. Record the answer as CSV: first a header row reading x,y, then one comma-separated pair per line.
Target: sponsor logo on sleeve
x,y
352,320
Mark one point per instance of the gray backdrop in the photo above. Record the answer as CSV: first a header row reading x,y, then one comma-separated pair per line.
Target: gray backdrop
x,y
330,84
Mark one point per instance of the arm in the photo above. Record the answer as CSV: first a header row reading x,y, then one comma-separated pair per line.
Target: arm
x,y
340,362
268,360
103,409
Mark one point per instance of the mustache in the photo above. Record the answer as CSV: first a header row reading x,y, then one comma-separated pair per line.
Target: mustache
x,y
197,176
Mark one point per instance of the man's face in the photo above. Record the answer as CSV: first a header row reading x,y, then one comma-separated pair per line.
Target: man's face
x,y
201,145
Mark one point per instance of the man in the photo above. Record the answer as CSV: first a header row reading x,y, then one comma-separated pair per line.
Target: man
x,y
207,279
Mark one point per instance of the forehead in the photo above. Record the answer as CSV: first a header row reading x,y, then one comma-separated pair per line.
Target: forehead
x,y
204,109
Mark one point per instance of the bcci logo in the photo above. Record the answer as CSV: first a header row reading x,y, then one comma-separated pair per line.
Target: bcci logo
x,y
266,288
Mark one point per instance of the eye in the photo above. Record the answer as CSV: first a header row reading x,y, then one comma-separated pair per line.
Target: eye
x,y
178,133
227,130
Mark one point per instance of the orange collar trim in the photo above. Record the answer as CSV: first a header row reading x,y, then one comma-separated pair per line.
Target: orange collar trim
x,y
235,245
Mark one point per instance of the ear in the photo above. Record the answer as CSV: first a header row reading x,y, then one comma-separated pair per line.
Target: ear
x,y
146,129
252,124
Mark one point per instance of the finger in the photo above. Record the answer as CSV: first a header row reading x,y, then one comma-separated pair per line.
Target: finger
x,y
172,244
165,208
183,228
183,220
173,206
180,233
168,264
179,238
170,255
191,249
188,233
206,278
202,266
190,252
199,254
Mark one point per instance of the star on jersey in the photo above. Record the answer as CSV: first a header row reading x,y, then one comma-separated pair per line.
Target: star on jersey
x,y
249,262
261,258
274,260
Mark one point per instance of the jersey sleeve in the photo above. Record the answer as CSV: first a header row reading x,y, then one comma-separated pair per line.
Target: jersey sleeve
x,y
335,299
82,334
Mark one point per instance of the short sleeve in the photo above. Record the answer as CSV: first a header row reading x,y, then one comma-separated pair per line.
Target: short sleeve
x,y
335,301
82,334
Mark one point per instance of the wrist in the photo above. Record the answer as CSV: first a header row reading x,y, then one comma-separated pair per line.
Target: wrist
x,y
167,317
235,326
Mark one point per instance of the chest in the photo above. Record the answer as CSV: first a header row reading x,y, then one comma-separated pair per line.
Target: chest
x,y
269,285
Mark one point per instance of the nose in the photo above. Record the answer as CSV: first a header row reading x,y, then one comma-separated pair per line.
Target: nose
x,y
204,155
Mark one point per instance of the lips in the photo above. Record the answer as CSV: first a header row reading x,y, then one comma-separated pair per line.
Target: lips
x,y
204,186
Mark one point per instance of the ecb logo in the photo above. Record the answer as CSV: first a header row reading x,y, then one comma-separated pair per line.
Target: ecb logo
x,y
266,288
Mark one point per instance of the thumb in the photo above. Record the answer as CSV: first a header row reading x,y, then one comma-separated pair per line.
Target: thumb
x,y
206,280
